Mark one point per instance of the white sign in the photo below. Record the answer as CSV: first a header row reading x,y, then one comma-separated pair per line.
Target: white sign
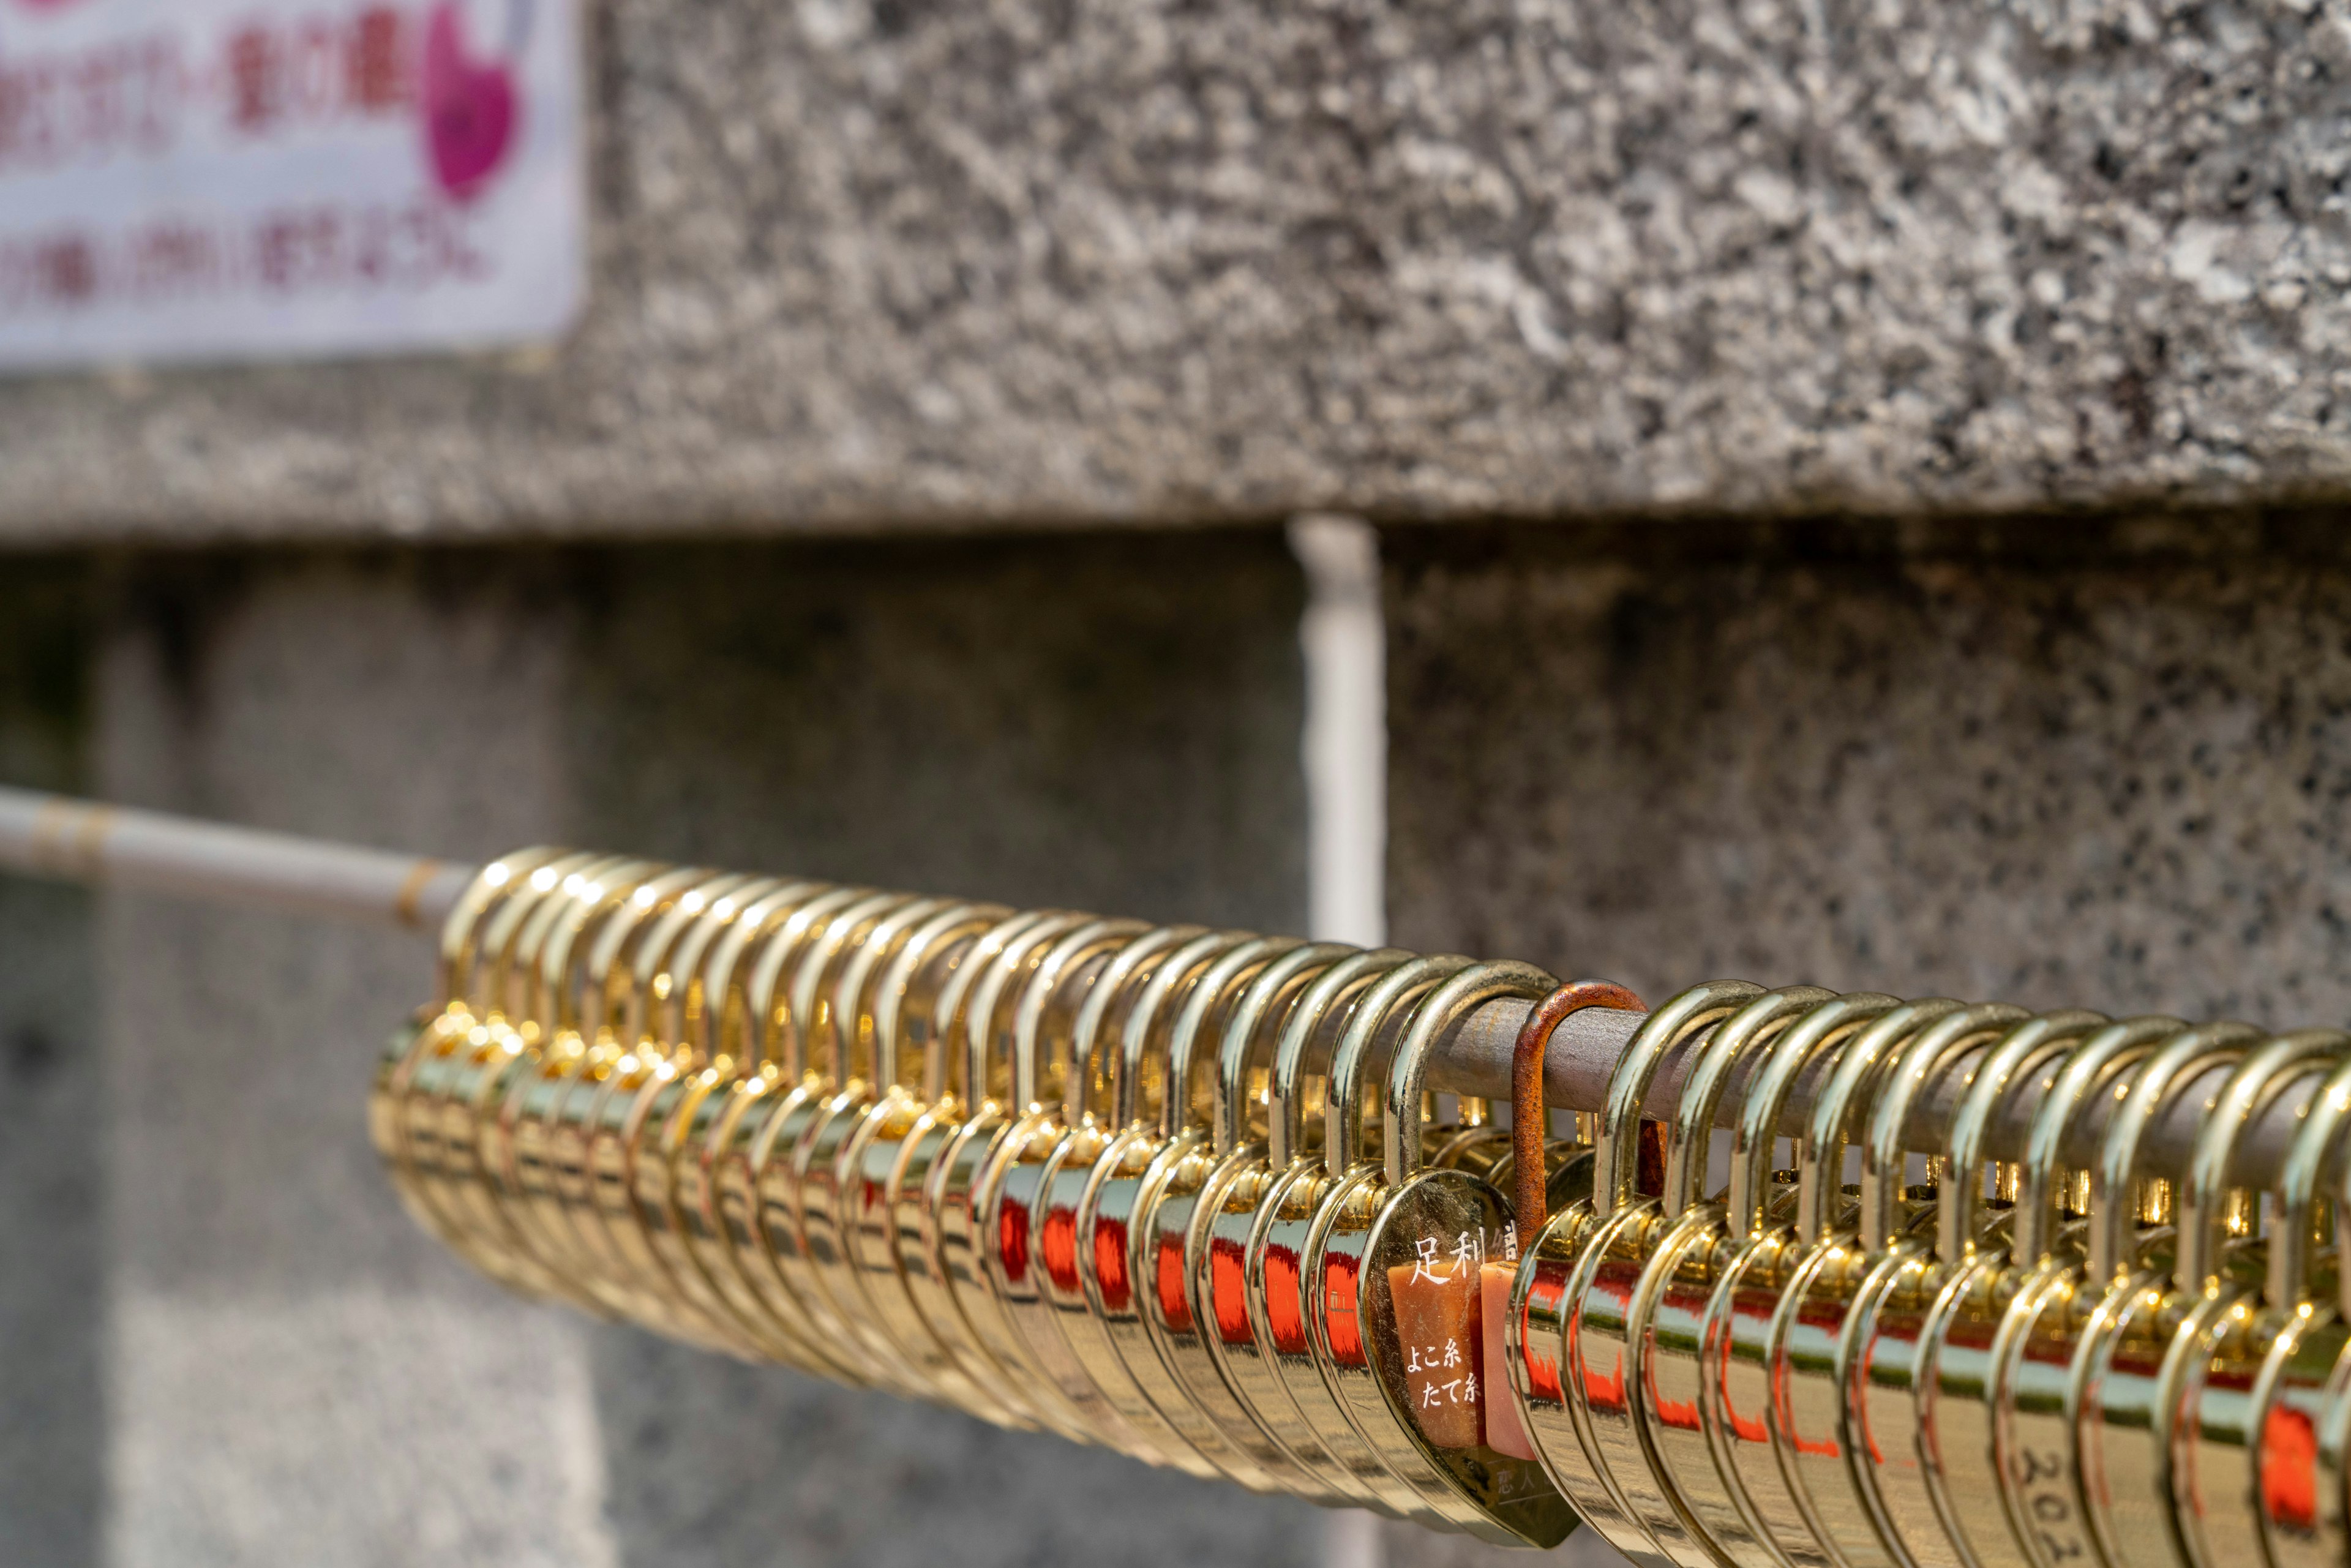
x,y
250,178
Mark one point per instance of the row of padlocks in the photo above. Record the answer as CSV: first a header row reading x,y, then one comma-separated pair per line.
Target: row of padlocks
x,y
1182,1193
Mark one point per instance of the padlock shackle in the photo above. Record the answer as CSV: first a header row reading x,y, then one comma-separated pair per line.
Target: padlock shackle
x,y
2293,1251
1244,1024
1336,989
2115,1049
726,979
1217,988
1529,1118
1407,1090
1094,1038
1844,1099
461,928
653,1010
692,1010
2183,1059
1827,1027
1750,1032
937,936
493,975
965,988
1067,959
2269,1071
985,1043
1617,1169
1342,1103
576,908
771,961
1912,1067
1170,986
2024,1051
812,1012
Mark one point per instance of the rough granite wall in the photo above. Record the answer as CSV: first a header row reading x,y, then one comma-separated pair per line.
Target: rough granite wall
x,y
290,1372
881,263
2112,777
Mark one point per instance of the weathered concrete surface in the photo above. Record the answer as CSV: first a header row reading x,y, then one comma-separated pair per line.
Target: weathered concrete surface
x,y
1104,724
2116,781
291,1372
52,1168
1402,1546
871,263
2106,766
718,1466
1099,723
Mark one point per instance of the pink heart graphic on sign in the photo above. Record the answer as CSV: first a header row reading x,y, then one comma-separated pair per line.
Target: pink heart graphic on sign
x,y
469,108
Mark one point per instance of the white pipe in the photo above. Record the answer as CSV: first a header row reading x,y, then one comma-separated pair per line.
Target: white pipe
x,y
1344,751
1345,744
78,841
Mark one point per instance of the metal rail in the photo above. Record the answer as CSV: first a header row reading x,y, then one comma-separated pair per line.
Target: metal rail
x,y
118,847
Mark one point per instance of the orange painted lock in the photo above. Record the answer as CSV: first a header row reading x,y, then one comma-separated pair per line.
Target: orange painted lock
x,y
1436,1324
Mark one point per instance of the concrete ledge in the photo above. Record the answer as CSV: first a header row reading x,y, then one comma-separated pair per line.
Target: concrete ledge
x,y
892,264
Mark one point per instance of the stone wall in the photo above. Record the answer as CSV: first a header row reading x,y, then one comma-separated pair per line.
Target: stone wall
x,y
2107,770
1860,488
2104,765
881,263
227,1344
53,1170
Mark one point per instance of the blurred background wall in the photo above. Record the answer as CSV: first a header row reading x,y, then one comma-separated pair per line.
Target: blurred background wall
x,y
1857,489
291,1373
2097,764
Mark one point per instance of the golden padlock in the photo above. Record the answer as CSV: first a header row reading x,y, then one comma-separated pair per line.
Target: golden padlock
x,y
1281,1228
1844,1280
1133,1277
2219,1347
1583,1239
2127,1364
455,1030
1948,1369
713,1186
622,1132
1215,1241
1008,1190
2299,1416
1098,1107
1742,1383
904,1247
1419,1294
1665,1320
953,1245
